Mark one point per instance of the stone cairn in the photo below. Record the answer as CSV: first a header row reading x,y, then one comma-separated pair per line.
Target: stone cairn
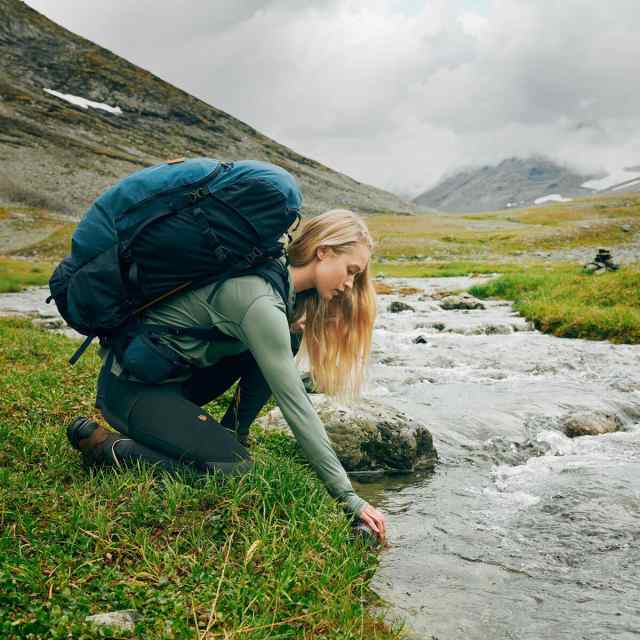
x,y
602,263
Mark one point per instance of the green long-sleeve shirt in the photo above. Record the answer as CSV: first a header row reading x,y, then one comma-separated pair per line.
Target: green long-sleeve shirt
x,y
248,308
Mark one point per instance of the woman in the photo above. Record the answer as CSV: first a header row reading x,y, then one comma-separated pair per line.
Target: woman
x,y
331,298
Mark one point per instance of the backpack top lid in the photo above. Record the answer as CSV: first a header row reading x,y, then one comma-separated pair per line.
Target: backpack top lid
x,y
252,187
132,190
142,185
264,172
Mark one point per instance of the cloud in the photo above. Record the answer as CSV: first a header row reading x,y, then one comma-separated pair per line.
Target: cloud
x,y
397,92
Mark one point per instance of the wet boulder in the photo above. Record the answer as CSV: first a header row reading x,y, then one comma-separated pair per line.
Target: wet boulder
x,y
464,301
368,437
396,307
590,423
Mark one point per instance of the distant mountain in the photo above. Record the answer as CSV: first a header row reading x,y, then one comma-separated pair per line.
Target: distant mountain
x,y
74,118
517,182
514,182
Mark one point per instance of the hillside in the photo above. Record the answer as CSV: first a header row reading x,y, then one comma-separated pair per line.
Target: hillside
x,y
60,155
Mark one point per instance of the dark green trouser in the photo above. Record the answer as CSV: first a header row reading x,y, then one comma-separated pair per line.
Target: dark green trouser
x,y
167,419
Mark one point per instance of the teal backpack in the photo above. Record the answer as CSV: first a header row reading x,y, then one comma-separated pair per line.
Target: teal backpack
x,y
169,228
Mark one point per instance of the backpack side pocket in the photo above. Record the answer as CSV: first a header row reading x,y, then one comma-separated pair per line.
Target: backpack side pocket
x,y
152,362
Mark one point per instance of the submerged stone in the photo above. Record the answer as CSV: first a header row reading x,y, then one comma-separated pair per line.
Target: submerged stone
x,y
369,437
396,307
590,424
461,302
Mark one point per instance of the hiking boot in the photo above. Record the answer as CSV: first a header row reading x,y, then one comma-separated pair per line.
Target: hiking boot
x,y
95,443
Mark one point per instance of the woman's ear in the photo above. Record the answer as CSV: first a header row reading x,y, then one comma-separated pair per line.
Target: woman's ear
x,y
322,252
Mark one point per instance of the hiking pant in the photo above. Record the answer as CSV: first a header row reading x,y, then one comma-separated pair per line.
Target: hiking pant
x,y
166,425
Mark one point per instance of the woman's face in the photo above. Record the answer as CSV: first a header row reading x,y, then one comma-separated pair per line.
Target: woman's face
x,y
335,272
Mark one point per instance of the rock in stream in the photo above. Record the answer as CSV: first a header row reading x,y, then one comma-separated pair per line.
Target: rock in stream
x,y
368,437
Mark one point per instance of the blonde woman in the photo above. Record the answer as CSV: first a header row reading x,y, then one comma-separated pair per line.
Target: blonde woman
x,y
330,298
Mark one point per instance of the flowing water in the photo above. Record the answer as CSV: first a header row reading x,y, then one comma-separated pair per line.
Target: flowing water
x,y
521,532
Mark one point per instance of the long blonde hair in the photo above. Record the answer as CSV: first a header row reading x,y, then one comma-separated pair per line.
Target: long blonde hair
x,y
337,335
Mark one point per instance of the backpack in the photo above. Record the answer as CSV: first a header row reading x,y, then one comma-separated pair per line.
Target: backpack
x,y
169,228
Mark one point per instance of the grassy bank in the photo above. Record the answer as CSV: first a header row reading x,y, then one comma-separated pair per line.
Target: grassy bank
x,y
264,556
568,303
444,269
587,222
15,274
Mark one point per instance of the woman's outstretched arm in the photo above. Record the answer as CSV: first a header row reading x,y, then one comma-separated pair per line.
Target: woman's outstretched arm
x,y
266,332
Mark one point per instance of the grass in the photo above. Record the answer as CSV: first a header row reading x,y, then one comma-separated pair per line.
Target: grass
x,y
15,274
267,555
584,222
568,303
443,269
53,247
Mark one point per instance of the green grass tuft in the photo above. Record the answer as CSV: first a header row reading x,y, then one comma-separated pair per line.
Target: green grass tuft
x,y
567,302
16,275
445,269
267,555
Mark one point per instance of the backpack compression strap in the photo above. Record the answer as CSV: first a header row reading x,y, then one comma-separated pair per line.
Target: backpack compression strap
x,y
273,271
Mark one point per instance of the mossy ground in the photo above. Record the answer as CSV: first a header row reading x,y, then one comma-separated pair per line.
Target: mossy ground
x,y
444,269
15,275
500,235
268,555
565,301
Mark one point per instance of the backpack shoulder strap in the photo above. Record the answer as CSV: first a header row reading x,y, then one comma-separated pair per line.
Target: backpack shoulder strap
x,y
273,271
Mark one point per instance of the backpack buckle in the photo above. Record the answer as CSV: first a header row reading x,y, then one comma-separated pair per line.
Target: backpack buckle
x,y
197,195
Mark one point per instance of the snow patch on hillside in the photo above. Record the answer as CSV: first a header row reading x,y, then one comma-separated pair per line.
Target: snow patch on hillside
x,y
554,197
84,103
611,180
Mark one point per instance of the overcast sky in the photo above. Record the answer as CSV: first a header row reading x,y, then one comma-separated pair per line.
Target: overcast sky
x,y
396,92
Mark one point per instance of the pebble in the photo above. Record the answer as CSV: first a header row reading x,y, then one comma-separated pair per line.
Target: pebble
x,y
123,620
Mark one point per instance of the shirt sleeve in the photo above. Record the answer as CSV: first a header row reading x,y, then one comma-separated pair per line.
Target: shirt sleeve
x,y
266,332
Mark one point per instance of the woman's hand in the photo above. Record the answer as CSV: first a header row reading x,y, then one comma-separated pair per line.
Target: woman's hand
x,y
298,325
375,520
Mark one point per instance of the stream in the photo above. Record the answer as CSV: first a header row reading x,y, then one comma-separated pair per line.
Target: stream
x,y
520,532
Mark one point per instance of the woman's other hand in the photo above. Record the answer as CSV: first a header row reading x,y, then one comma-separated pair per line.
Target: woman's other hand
x,y
298,325
375,520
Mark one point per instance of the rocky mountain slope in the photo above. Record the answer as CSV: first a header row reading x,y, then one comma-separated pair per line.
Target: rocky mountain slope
x,y
514,182
60,153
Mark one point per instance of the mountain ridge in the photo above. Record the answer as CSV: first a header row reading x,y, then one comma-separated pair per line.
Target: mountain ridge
x,y
518,182
61,156
512,182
